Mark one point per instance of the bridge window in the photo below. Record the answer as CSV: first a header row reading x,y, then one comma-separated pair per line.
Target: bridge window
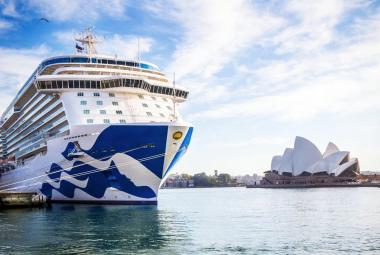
x,y
90,121
106,121
86,111
122,121
149,114
96,94
119,112
169,107
144,105
162,115
115,103
83,102
111,94
80,94
141,96
99,102
102,112
158,106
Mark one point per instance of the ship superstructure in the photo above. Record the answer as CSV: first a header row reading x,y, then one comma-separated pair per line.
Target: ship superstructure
x,y
84,121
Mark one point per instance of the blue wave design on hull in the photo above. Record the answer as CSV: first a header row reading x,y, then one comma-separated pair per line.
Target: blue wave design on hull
x,y
112,140
97,184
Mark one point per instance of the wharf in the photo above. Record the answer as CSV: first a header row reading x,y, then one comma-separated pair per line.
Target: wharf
x,y
21,199
319,185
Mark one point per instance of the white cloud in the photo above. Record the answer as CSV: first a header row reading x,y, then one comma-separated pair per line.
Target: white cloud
x,y
313,79
313,26
63,10
126,46
9,9
16,65
4,25
214,33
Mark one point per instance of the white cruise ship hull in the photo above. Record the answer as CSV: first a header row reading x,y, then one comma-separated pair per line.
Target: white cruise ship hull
x,y
120,164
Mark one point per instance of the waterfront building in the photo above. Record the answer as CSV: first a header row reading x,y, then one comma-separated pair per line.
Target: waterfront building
x,y
95,128
305,163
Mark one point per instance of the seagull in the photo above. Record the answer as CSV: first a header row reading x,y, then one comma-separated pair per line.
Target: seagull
x,y
44,19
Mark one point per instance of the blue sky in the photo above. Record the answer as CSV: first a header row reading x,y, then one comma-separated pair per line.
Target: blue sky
x,y
259,72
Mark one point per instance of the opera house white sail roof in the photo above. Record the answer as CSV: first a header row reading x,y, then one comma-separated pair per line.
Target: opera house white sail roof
x,y
306,159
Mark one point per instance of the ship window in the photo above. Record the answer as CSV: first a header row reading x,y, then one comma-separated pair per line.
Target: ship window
x,y
65,84
106,121
111,62
93,84
71,84
42,85
111,94
98,84
54,84
104,61
82,86
102,111
96,94
164,99
144,104
88,84
59,84
76,84
158,106
149,114
119,112
99,102
115,103
162,115
80,94
83,102
169,107
121,63
141,96
86,111
153,98
106,84
122,121
90,121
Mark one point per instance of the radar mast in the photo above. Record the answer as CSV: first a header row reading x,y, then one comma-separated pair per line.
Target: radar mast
x,y
88,40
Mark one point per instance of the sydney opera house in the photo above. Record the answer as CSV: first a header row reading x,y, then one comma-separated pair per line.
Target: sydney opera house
x,y
304,163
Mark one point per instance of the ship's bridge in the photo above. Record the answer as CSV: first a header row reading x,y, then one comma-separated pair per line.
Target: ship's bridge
x,y
97,59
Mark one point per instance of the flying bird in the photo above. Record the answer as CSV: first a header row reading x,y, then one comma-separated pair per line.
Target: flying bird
x,y
44,19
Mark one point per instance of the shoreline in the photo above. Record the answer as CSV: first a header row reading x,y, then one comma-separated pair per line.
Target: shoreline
x,y
302,186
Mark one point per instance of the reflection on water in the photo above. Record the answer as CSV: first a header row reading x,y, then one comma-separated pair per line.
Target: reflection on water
x,y
204,221
85,229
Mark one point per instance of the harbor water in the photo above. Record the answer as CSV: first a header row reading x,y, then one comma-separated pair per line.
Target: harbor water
x,y
204,221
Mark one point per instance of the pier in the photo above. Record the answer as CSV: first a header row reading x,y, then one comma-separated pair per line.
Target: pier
x,y
21,199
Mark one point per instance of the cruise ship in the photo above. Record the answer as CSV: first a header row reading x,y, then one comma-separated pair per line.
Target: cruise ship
x,y
92,128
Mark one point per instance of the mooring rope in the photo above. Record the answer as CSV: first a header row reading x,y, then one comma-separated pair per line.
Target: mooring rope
x,y
89,172
70,168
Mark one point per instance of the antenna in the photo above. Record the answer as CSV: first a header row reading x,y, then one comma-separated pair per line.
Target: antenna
x,y
88,40
174,98
138,50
